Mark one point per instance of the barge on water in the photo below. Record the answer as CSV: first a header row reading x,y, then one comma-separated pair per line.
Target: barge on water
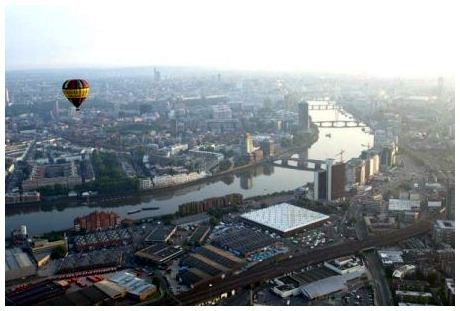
x,y
134,211
153,208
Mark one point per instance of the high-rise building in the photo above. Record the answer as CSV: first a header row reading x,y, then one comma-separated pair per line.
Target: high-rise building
x,y
7,98
320,185
268,148
56,110
450,202
329,183
303,116
248,145
338,181
156,75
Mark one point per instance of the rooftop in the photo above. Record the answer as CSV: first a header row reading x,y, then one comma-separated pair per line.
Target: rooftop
x,y
284,217
132,284
17,259
446,224
402,205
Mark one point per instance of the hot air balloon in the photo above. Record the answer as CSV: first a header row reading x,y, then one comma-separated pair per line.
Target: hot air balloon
x,y
76,91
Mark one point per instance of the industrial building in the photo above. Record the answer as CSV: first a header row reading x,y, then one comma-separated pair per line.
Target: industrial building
x,y
191,220
285,219
18,264
206,262
331,285
199,235
102,239
161,234
134,286
159,253
243,242
94,260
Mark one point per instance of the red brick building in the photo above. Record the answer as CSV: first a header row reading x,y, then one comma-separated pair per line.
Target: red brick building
x,y
97,221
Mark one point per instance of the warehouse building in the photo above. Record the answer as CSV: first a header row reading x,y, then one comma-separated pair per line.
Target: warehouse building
x,y
285,219
134,286
18,264
159,253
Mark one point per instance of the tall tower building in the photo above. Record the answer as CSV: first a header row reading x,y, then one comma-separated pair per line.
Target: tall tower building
x,y
248,146
303,116
320,185
156,75
56,110
7,97
329,183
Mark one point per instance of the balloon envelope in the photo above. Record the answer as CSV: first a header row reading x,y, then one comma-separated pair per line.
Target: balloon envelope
x,y
76,91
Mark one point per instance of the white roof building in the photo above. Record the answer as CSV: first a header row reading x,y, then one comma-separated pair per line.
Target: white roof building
x,y
133,285
284,217
402,205
328,285
391,257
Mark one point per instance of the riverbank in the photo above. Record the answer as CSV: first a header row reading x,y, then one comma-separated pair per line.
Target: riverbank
x,y
106,198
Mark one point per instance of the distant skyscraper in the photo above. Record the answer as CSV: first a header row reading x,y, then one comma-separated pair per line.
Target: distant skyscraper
x,y
157,75
303,116
7,98
56,110
440,88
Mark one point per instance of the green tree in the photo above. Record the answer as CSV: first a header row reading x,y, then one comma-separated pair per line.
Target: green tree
x,y
58,252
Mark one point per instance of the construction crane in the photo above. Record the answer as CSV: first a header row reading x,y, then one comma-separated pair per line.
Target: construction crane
x,y
341,155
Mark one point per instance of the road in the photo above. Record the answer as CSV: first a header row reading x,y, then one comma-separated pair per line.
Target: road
x,y
382,289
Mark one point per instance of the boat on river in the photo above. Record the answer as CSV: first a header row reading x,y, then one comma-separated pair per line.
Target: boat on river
x,y
134,211
153,208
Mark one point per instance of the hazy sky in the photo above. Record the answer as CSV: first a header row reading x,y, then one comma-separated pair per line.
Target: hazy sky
x,y
377,37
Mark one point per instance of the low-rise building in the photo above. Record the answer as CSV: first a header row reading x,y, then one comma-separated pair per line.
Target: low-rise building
x,y
450,292
18,264
134,286
347,264
444,232
145,184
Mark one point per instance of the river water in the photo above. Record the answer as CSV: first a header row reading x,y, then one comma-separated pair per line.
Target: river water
x,y
256,181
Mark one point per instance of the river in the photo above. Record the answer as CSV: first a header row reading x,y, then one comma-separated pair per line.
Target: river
x,y
256,181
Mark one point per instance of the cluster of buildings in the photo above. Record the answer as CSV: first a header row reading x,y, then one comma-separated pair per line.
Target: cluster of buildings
x,y
14,197
335,277
265,150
